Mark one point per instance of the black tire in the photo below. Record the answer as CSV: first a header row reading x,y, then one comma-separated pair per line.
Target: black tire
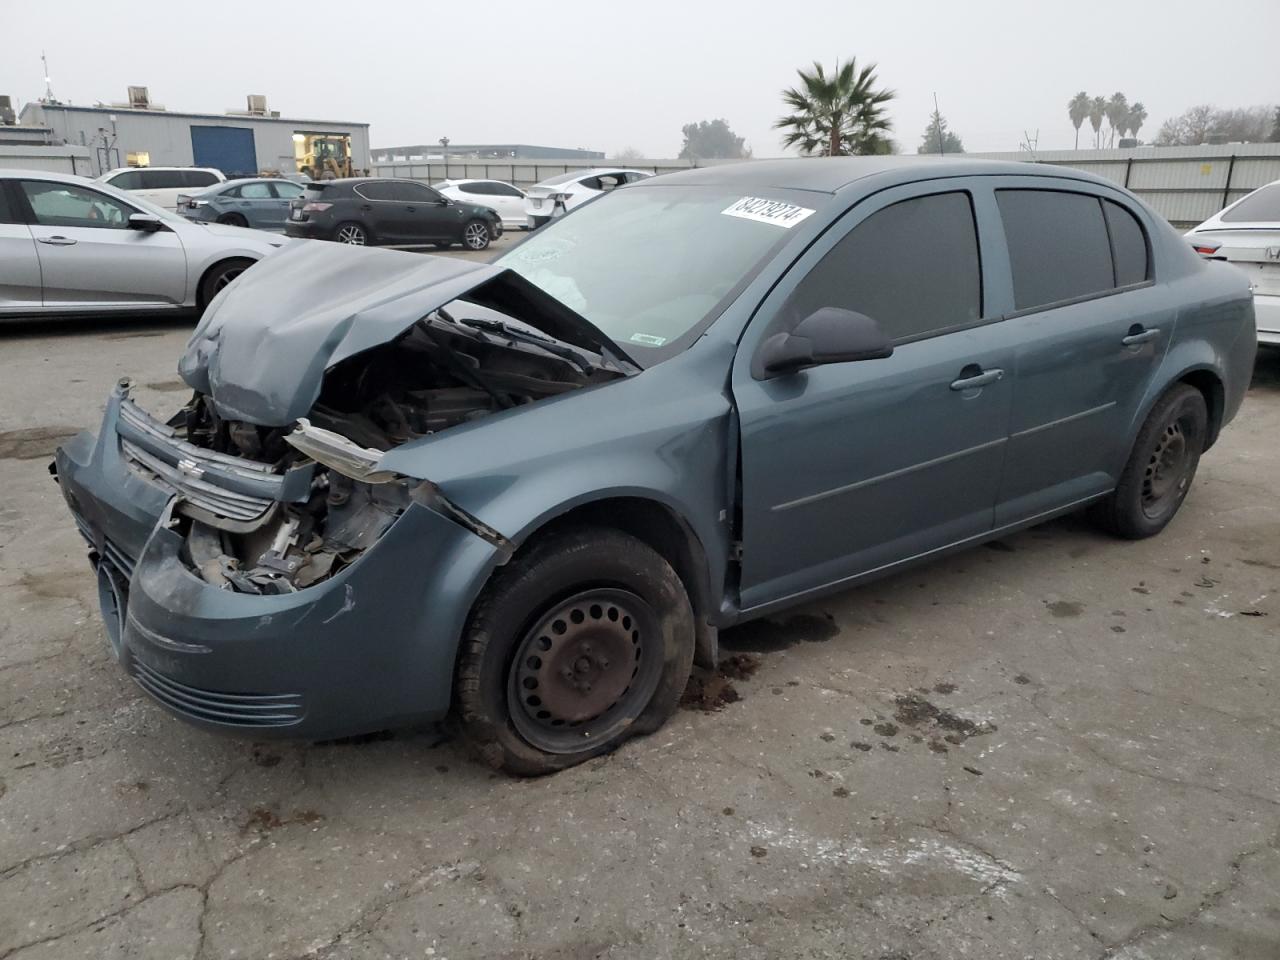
x,y
233,220
1161,467
584,587
352,233
475,235
218,276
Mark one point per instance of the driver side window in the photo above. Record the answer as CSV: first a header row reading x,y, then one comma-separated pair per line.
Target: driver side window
x,y
913,267
64,205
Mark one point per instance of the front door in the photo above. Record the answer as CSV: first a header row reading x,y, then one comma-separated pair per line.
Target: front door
x,y
1091,330
850,468
19,264
89,256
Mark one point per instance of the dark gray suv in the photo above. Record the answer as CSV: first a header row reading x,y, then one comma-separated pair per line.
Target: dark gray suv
x,y
386,212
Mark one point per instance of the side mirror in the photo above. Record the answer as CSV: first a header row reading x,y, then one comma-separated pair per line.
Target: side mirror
x,y
146,222
829,335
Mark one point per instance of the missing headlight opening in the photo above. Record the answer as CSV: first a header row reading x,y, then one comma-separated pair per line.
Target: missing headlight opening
x,y
442,372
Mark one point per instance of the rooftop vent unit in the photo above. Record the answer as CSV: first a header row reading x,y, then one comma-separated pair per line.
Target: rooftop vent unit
x,y
139,99
7,117
257,104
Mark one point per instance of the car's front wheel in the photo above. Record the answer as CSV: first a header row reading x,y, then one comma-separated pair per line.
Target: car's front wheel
x,y
475,235
580,642
351,233
1161,466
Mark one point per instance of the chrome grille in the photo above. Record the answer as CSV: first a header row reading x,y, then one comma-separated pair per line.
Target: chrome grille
x,y
232,709
224,503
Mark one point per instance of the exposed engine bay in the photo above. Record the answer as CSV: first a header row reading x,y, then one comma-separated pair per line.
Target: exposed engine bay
x,y
439,374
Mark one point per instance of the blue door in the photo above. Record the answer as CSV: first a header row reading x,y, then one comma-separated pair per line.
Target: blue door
x,y
852,467
229,149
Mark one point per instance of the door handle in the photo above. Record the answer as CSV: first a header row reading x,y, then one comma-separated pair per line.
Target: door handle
x,y
971,381
57,241
1138,335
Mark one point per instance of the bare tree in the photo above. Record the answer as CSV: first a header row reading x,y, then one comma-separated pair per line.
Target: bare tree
x,y
627,155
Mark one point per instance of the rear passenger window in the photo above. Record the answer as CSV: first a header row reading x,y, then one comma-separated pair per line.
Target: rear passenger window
x,y
912,267
1128,244
1058,246
6,216
197,178
256,191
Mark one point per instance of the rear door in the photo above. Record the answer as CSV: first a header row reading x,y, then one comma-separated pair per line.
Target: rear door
x,y
285,192
259,205
1091,328
849,468
89,257
19,263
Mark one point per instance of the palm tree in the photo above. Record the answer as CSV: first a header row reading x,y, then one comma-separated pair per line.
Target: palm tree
x,y
1097,110
1137,117
1117,114
836,115
1078,110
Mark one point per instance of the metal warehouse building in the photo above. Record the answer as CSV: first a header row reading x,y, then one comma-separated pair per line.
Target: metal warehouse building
x,y
142,134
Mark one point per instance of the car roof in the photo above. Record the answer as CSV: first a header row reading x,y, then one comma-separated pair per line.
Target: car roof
x,y
9,173
115,170
831,174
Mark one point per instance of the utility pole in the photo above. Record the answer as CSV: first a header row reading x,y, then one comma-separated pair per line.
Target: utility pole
x,y
444,153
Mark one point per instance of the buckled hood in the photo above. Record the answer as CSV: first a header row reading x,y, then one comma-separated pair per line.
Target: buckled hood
x,y
262,349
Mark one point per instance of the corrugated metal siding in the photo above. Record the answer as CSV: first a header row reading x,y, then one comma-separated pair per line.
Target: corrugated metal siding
x,y
1186,185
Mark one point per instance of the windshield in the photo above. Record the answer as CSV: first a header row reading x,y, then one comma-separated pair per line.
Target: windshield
x,y
648,265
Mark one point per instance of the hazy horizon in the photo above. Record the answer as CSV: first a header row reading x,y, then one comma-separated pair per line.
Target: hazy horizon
x,y
560,78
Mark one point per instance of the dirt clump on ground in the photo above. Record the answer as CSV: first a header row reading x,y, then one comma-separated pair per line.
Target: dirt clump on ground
x,y
712,690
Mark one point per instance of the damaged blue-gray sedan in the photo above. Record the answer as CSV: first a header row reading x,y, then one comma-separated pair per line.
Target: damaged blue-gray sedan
x,y
531,492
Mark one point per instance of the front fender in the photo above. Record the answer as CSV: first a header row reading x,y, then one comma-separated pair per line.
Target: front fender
x,y
659,436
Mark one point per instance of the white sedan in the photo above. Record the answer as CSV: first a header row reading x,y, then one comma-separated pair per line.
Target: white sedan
x,y
559,195
1247,234
74,246
506,199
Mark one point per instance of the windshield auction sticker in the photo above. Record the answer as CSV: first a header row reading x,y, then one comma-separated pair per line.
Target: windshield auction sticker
x,y
767,211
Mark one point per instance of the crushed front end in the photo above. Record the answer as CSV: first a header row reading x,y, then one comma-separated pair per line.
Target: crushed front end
x,y
257,571
229,586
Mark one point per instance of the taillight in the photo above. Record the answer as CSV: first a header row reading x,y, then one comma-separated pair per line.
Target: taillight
x,y
561,197
1206,248
315,207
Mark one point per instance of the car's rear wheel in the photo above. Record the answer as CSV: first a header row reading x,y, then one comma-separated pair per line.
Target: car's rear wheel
x,y
233,220
351,233
579,643
475,235
1161,466
218,277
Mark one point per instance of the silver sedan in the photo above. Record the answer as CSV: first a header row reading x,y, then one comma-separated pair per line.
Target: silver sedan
x,y
73,246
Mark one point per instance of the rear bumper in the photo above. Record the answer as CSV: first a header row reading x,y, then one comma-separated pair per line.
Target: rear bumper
x,y
1266,308
307,230
371,648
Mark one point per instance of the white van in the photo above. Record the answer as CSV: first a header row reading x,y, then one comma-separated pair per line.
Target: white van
x,y
161,185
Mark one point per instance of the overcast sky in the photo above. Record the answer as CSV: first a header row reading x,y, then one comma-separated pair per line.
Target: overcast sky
x,y
581,75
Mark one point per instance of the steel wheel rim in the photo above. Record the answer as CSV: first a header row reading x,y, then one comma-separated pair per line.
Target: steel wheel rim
x,y
585,669
476,236
1167,474
351,235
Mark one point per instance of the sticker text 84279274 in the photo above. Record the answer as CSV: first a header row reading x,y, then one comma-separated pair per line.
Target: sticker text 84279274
x,y
767,211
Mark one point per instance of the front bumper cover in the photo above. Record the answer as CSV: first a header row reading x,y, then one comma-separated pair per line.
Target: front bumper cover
x,y
370,648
